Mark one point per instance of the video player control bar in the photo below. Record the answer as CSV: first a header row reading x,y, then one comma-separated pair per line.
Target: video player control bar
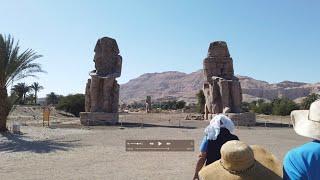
x,y
159,145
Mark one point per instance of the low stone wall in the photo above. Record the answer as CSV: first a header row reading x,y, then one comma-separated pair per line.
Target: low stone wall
x,y
241,119
98,118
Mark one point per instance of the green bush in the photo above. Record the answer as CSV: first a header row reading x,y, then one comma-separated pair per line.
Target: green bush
x,y
181,104
261,107
201,102
53,98
73,104
173,105
265,108
279,106
283,106
245,107
309,100
136,105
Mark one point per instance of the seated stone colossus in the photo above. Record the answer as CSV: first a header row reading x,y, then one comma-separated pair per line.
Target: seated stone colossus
x,y
221,88
102,89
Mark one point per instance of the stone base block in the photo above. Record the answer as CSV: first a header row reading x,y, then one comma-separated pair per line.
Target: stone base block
x,y
98,118
241,119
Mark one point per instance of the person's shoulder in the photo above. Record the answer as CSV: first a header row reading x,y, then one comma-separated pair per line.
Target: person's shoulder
x,y
313,145
290,154
204,144
292,159
296,153
307,147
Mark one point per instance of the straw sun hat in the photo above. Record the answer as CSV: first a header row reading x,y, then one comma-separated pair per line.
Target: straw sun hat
x,y
307,122
242,162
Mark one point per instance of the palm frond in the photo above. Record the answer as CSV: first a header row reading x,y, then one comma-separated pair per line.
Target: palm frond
x,y
15,66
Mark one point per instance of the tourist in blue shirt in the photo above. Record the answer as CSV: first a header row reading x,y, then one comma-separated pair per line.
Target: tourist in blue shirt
x,y
304,162
217,133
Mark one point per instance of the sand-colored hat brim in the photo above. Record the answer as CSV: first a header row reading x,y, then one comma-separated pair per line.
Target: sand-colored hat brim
x,y
304,126
267,167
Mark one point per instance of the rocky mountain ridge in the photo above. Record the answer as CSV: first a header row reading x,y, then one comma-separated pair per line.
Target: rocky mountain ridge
x,y
182,86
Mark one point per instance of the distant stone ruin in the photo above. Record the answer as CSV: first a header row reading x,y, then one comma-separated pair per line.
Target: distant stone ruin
x,y
102,89
221,88
148,104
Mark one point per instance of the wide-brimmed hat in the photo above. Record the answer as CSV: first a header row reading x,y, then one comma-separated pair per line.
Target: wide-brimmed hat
x,y
242,162
307,122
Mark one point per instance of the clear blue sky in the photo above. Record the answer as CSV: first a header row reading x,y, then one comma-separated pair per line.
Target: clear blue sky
x,y
271,40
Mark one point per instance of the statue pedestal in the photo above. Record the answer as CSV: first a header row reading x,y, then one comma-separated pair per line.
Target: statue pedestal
x,y
98,118
240,119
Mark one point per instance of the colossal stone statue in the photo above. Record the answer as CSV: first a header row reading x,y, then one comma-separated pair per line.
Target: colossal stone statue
x,y
221,88
102,90
148,104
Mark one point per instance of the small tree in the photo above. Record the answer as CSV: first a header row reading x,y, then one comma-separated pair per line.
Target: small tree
x,y
265,108
261,107
18,91
73,104
201,101
309,100
181,104
36,88
283,106
261,101
30,99
21,89
52,98
245,107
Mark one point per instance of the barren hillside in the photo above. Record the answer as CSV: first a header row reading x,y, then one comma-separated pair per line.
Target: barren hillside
x,y
178,85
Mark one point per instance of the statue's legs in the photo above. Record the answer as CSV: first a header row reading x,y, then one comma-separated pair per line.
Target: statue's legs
x,y
107,94
115,96
217,106
236,96
225,94
95,95
87,97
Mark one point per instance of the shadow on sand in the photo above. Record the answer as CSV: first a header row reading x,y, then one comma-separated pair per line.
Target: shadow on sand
x,y
133,125
17,143
272,125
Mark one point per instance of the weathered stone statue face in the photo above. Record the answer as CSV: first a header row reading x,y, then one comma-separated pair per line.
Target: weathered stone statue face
x,y
218,62
107,60
218,49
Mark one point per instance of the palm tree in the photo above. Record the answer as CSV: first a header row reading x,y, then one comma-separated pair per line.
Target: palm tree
x,y
18,91
30,99
52,98
306,103
36,88
25,91
13,66
21,89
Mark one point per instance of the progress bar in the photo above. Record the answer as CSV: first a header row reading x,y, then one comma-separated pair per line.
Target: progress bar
x,y
159,145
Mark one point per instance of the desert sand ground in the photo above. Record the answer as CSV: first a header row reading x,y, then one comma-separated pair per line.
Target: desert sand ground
x,y
68,150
